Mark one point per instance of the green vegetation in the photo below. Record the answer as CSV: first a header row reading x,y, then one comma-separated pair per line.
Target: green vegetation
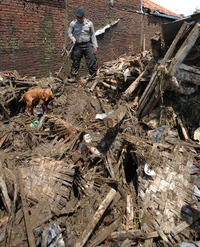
x,y
48,42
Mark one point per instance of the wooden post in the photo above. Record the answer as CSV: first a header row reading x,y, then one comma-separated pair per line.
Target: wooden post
x,y
90,227
159,79
29,230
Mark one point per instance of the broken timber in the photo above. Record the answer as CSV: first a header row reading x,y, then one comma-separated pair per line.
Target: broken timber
x,y
134,85
166,69
29,229
115,117
90,227
105,233
133,234
188,73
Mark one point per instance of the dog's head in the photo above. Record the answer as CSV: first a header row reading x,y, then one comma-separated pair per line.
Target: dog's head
x,y
47,94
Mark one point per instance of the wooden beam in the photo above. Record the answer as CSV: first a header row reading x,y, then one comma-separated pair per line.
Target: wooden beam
x,y
188,73
92,224
159,79
29,229
133,234
154,78
115,117
104,233
185,49
133,85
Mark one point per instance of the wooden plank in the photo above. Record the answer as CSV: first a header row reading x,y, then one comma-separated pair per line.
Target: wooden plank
x,y
167,56
172,48
43,215
133,86
29,229
109,166
105,233
183,128
185,49
133,234
3,139
108,85
155,93
158,82
92,224
115,117
188,73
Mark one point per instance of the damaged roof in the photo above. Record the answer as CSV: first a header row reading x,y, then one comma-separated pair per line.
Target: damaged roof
x,y
155,8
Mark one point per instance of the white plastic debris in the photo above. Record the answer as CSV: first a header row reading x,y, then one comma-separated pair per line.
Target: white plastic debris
x,y
112,3
52,236
126,74
102,30
87,138
101,116
149,171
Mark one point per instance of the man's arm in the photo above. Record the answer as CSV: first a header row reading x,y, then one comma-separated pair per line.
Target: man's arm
x,y
93,37
70,32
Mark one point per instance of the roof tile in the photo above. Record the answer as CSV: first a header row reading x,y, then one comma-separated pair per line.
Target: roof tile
x,y
155,7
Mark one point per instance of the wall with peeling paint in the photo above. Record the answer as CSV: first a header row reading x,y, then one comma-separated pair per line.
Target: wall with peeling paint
x,y
32,33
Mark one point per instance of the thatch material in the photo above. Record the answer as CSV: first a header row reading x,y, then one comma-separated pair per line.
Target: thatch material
x,y
165,186
48,180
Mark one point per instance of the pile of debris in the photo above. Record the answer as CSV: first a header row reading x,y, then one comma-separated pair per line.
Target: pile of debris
x,y
110,162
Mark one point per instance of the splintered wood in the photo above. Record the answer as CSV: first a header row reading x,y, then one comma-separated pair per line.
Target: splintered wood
x,y
105,164
168,68
96,218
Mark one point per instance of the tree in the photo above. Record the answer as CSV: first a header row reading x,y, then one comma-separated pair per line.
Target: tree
x,y
197,10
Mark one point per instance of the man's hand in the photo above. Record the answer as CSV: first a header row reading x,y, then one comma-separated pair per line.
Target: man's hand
x,y
73,40
95,50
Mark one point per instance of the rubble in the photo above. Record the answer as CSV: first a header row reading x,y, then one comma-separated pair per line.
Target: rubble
x,y
112,161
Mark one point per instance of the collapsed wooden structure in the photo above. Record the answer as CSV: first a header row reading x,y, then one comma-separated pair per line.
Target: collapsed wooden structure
x,y
109,165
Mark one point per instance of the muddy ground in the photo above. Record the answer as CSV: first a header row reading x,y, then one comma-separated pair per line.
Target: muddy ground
x,y
77,178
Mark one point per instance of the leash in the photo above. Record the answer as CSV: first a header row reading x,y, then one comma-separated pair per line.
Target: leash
x,y
68,52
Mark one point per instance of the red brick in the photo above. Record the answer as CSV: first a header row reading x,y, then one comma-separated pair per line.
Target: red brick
x,y
23,32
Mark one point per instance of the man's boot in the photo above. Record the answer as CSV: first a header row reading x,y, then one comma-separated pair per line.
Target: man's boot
x,y
71,79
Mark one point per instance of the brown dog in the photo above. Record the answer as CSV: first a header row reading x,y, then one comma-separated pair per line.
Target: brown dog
x,y
48,94
48,97
36,95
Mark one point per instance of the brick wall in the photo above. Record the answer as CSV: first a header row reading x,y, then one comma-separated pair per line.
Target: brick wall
x,y
127,35
32,33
